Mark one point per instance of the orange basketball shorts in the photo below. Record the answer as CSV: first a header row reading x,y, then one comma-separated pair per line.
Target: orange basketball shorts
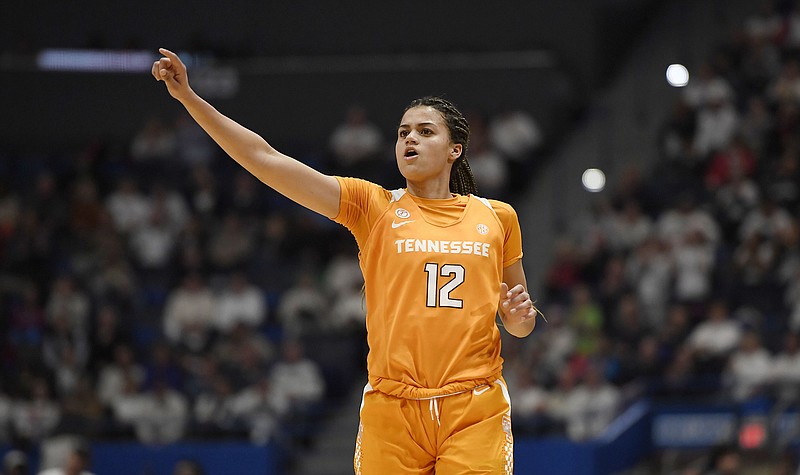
x,y
468,432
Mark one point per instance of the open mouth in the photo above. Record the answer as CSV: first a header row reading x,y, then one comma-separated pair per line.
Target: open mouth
x,y
410,153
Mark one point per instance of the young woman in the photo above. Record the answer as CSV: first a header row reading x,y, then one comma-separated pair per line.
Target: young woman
x,y
438,263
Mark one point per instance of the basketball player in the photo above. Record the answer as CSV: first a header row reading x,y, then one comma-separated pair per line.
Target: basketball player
x,y
438,263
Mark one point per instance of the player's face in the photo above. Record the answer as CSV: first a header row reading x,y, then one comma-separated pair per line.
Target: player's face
x,y
424,150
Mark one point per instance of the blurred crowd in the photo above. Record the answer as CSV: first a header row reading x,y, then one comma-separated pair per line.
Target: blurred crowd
x,y
154,290
683,282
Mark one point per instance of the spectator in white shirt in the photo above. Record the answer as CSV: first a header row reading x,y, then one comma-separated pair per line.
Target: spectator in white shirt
x,y
748,368
240,302
127,207
718,335
162,417
717,121
36,417
189,314
591,406
77,462
297,377
785,373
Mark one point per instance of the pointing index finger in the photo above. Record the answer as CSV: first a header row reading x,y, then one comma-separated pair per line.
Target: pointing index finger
x,y
172,56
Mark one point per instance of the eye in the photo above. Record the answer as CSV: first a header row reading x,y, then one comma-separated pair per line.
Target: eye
x,y
402,133
426,131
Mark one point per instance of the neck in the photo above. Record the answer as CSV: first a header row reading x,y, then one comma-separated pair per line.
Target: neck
x,y
435,190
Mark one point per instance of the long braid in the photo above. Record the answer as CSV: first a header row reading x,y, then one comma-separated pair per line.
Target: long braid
x,y
462,181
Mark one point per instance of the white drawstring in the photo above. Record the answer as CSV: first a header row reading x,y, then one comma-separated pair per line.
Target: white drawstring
x,y
434,408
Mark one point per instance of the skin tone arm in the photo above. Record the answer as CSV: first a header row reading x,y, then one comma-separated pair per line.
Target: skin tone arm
x,y
516,308
289,177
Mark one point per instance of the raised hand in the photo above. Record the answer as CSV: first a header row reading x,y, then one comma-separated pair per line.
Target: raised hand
x,y
172,71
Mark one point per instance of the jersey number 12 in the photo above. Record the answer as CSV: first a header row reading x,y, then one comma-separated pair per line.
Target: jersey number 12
x,y
443,292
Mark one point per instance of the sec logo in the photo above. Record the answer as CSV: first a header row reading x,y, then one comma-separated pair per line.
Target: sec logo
x,y
483,229
402,213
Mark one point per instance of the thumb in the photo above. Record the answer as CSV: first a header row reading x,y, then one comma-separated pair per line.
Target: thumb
x,y
503,290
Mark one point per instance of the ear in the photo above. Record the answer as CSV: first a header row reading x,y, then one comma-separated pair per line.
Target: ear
x,y
455,151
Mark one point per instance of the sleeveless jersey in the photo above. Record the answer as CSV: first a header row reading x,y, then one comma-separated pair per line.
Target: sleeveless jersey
x,y
432,291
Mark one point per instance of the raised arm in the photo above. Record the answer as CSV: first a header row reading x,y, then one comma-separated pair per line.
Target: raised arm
x,y
516,307
289,177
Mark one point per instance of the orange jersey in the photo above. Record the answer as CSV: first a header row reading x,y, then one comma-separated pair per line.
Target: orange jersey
x,y
433,270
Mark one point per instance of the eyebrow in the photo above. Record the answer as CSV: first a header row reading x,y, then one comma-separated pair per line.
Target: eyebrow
x,y
418,124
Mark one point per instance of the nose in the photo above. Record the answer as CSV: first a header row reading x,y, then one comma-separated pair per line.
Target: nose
x,y
411,137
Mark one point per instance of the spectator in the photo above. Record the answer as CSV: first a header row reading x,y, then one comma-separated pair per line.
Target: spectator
x,y
694,265
785,371
214,410
128,208
82,410
650,269
240,302
60,342
748,368
77,463
586,320
530,405
734,161
629,228
171,205
230,244
153,244
591,406
766,23
69,303
786,87
674,224
492,167
515,134
261,408
108,333
717,121
733,201
296,377
756,124
342,274
154,142
163,415
356,142
116,375
204,197
243,353
37,415
189,314
301,307
717,336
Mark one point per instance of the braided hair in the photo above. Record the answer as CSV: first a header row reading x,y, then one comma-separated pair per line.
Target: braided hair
x,y
461,179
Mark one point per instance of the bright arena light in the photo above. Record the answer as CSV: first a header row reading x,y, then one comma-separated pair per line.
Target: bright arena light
x,y
593,180
677,75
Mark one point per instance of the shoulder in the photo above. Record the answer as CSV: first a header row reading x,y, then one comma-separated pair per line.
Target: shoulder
x,y
504,211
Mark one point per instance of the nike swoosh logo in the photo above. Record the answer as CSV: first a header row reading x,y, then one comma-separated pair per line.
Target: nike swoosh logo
x,y
478,392
401,223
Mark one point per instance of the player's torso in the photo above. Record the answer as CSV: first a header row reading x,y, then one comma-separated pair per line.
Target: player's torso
x,y
432,294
